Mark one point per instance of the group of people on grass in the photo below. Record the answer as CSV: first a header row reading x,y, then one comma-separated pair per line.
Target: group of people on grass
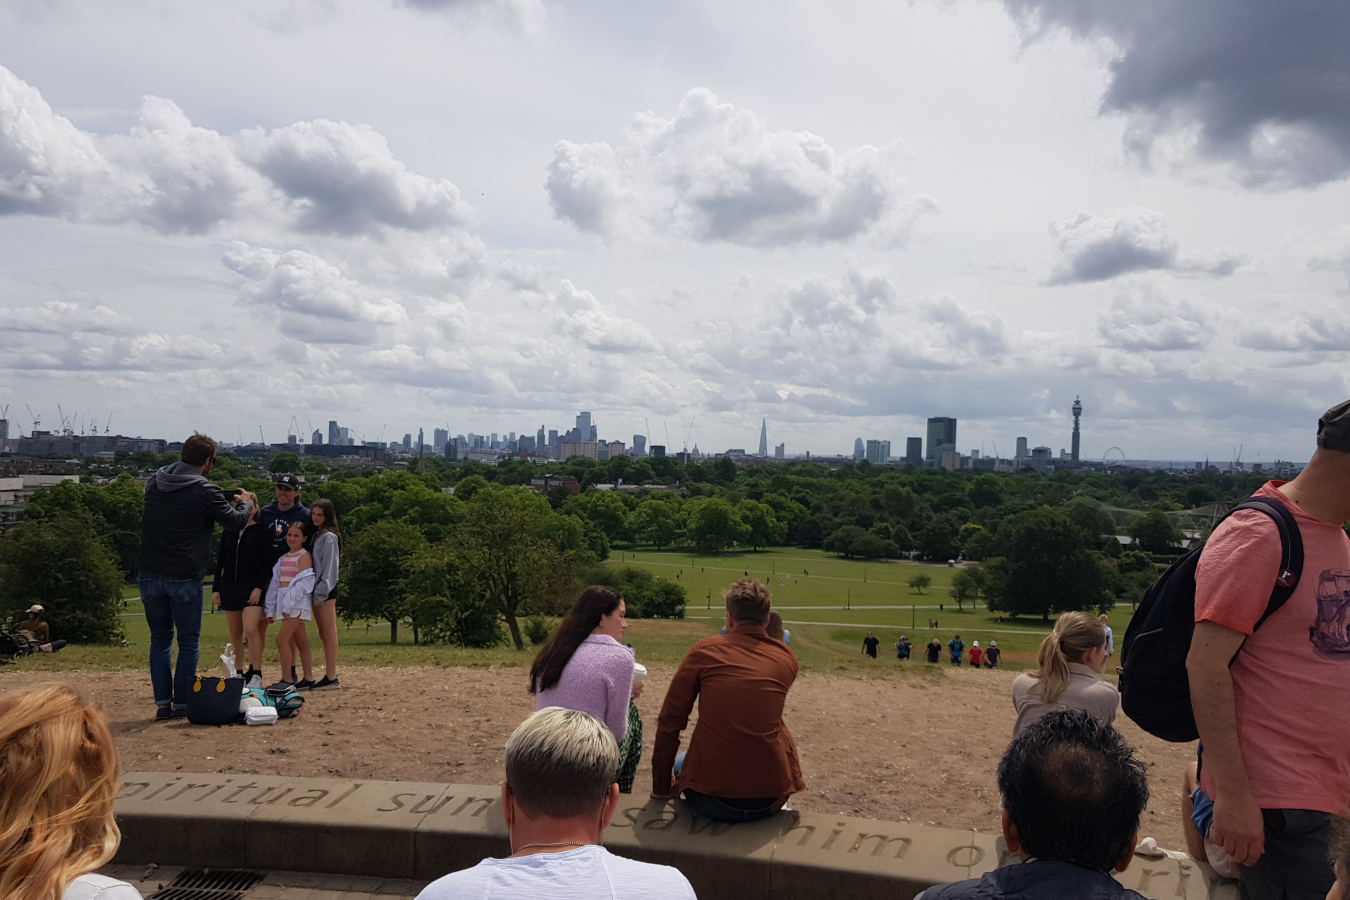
x,y
274,563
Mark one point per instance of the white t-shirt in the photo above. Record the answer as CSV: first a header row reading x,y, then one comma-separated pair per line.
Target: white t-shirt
x,y
1110,641
588,873
100,887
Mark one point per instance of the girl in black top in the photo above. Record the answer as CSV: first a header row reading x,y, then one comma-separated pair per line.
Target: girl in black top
x,y
243,570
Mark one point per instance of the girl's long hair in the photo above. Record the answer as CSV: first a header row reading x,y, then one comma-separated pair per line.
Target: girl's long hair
x,y
58,778
596,601
330,522
1074,636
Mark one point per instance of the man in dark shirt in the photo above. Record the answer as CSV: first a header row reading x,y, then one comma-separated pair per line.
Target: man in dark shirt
x,y
1072,797
870,645
991,656
742,762
278,516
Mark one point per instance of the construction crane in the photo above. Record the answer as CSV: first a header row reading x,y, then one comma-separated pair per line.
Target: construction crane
x,y
260,436
37,420
382,428
690,435
65,421
107,424
667,428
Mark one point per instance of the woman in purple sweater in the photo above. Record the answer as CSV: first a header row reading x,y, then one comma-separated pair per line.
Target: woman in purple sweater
x,y
583,666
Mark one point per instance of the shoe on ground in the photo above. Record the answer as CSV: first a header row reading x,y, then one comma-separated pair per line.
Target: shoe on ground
x,y
326,684
164,712
255,681
180,712
281,688
304,684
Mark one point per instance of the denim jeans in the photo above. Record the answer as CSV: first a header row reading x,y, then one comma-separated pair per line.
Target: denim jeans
x,y
172,605
1295,864
713,809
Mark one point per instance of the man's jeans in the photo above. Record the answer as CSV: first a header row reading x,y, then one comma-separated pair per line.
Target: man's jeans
x,y
1295,864
712,808
172,604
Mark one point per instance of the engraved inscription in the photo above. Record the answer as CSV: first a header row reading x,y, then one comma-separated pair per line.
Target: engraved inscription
x,y
883,841
965,856
809,832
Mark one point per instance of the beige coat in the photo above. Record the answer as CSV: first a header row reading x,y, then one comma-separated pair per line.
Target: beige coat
x,y
1085,691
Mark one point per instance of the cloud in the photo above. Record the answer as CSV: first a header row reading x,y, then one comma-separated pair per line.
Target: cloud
x,y
59,317
1312,332
1261,87
724,176
319,176
1332,253
314,300
1147,320
527,16
583,319
345,179
1134,239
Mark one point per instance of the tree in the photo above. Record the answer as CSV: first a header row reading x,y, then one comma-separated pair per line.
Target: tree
x,y
61,563
470,485
655,522
604,508
646,595
113,510
1042,567
373,571
713,524
762,528
938,541
516,554
1090,517
439,606
965,586
285,461
1155,531
985,490
919,582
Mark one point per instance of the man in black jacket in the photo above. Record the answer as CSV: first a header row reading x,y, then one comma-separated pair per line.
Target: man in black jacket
x,y
181,509
1072,797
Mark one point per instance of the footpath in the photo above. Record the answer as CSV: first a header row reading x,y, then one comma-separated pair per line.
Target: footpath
x,y
386,839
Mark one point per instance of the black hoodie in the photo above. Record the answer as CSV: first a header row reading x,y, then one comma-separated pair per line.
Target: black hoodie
x,y
181,509
243,562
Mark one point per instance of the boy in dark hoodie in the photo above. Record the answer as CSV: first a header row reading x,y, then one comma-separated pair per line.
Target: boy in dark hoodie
x,y
181,509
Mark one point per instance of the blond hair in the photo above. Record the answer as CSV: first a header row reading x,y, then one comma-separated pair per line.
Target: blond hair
x,y
1075,635
58,778
560,763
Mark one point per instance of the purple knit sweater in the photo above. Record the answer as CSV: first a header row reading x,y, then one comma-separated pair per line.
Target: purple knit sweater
x,y
598,679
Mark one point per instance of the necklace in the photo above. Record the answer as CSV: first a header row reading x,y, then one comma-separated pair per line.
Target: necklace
x,y
562,844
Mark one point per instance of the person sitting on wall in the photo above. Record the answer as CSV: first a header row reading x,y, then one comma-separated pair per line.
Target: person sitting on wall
x,y
1072,797
742,763
558,797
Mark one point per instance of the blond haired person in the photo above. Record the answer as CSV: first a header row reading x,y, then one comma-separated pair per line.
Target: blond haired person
x,y
1071,658
557,800
58,778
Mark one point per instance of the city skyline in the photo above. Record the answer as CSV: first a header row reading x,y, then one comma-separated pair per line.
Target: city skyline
x,y
499,211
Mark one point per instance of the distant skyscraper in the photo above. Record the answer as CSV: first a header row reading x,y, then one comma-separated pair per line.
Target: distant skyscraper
x,y
316,437
658,450
344,436
914,451
407,443
763,438
941,431
1077,411
540,441
1022,451
421,443
859,452
438,439
639,445
878,452
585,430
780,451
333,436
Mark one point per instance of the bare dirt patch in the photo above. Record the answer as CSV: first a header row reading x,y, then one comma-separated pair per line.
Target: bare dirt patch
x,y
918,747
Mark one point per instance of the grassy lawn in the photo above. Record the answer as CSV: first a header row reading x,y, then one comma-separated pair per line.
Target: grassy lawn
x,y
828,612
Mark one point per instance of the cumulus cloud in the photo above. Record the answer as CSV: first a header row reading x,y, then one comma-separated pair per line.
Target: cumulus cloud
x,y
310,297
59,317
173,176
585,320
1134,239
1262,87
1148,320
346,180
1332,253
1319,331
724,176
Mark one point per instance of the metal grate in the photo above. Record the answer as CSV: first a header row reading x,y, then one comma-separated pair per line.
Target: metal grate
x,y
209,884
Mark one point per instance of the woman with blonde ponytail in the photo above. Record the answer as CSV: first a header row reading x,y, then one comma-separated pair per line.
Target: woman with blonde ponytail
x,y
1071,657
58,778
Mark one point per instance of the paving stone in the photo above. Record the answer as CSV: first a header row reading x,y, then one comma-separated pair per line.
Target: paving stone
x,y
265,892
294,893
335,882
395,886
364,885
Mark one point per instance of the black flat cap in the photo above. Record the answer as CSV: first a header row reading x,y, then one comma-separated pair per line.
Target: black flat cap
x,y
1333,429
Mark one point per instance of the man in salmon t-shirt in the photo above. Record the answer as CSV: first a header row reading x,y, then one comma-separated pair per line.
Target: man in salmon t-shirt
x,y
1275,724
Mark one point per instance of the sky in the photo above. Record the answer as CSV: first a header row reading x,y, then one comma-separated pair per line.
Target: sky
x,y
685,218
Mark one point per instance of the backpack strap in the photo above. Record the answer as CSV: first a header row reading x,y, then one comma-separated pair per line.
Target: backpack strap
x,y
1291,551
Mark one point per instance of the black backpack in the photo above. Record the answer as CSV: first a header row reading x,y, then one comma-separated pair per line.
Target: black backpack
x,y
1155,690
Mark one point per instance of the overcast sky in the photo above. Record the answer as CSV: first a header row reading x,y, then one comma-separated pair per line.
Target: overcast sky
x,y
843,217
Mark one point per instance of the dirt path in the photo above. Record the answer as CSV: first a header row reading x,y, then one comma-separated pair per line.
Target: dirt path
x,y
921,748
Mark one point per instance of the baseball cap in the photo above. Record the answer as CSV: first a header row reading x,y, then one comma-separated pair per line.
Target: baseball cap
x,y
1333,429
289,481
36,609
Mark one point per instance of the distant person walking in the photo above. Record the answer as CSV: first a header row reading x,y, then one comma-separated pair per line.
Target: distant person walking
x,y
1071,656
325,547
957,647
181,509
585,666
934,650
1110,637
243,571
903,648
870,645
976,654
991,656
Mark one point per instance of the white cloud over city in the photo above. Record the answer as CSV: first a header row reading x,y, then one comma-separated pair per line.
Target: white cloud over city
x,y
489,215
